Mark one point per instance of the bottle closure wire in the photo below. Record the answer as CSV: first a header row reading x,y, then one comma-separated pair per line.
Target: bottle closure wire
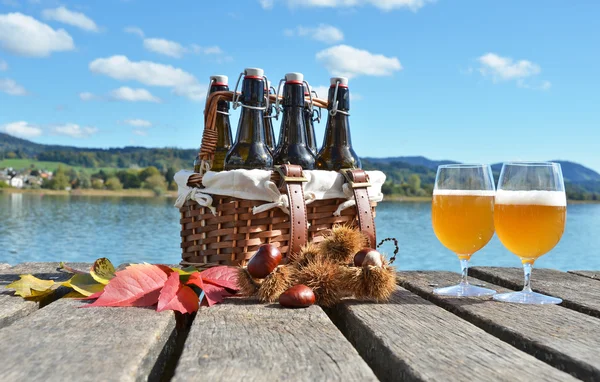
x,y
334,107
235,103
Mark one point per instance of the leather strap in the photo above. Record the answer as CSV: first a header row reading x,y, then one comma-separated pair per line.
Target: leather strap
x,y
291,183
359,181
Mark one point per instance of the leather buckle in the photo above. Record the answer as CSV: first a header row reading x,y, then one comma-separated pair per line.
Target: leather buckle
x,y
348,175
289,179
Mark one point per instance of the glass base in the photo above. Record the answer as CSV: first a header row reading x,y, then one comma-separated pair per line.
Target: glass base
x,y
464,290
527,298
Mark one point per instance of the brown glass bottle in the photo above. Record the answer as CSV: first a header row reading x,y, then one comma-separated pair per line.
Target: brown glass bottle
x,y
337,152
269,132
249,150
311,138
222,123
292,147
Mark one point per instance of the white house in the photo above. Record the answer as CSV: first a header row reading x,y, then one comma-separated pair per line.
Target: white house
x,y
16,182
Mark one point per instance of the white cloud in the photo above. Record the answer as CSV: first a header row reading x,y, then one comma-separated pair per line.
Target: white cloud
x,y
125,93
500,68
26,36
3,65
74,130
10,87
347,61
21,129
151,74
135,30
384,5
87,96
146,72
323,32
76,19
138,122
166,47
141,133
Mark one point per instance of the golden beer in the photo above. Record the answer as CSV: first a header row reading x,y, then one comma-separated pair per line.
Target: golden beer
x,y
463,220
530,223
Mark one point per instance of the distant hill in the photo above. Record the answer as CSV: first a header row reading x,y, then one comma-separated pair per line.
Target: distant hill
x,y
580,179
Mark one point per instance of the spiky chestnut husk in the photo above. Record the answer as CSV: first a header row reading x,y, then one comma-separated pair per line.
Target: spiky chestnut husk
x,y
323,277
371,283
342,244
280,280
308,252
248,285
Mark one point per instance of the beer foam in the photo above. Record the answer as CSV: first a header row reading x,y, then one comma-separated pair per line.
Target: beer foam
x,y
534,197
465,192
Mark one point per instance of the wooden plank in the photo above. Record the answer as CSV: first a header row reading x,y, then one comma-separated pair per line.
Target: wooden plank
x,y
63,343
578,293
563,338
13,308
411,339
245,340
591,274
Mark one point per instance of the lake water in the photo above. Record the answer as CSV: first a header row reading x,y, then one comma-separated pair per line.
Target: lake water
x,y
35,227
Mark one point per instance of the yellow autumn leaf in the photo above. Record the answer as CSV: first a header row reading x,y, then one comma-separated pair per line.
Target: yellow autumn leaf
x,y
102,271
31,286
84,284
73,294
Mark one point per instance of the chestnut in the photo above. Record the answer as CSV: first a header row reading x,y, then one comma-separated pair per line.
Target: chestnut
x,y
298,296
373,258
264,261
360,256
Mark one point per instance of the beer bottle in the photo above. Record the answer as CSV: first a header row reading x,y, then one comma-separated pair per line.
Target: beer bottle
x,y
292,146
269,132
249,150
311,138
337,152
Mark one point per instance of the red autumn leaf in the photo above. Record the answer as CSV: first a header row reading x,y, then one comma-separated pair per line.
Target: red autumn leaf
x,y
137,285
222,276
175,296
213,293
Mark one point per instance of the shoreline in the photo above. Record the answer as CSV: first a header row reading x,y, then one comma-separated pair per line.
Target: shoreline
x,y
142,193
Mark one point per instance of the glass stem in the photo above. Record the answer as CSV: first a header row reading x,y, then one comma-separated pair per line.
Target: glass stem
x,y
527,273
464,268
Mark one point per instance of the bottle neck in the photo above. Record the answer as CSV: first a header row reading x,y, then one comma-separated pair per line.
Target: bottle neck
x,y
292,126
222,105
337,131
252,123
253,91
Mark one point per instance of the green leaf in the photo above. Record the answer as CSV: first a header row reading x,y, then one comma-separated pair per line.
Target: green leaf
x,y
184,274
84,284
102,271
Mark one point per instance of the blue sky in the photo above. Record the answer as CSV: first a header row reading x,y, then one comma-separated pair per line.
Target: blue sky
x,y
474,81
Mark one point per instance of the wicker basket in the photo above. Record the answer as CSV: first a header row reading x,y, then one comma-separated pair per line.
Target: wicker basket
x,y
232,236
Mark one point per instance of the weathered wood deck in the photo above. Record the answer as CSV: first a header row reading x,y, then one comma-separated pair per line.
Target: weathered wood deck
x,y
416,336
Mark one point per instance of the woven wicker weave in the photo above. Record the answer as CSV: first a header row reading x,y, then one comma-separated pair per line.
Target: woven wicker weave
x,y
234,234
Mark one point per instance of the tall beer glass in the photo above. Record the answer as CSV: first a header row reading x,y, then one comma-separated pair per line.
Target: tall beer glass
x,y
462,213
530,213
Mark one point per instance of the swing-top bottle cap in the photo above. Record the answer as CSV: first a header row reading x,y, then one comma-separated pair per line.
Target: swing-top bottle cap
x,y
307,89
294,77
342,80
219,79
254,72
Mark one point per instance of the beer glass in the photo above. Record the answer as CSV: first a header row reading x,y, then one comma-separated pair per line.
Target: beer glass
x,y
529,216
462,214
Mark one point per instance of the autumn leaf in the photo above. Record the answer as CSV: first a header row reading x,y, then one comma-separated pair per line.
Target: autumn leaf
x,y
84,284
136,285
75,295
29,286
102,271
64,266
176,296
213,293
222,276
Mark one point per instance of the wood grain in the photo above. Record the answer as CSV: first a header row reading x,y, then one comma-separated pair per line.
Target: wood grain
x,y
563,338
411,339
591,274
63,343
578,293
13,308
243,340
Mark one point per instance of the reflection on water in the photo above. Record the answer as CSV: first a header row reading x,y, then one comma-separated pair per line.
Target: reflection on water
x,y
35,227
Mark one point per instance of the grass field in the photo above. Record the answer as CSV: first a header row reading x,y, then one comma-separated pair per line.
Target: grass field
x,y
19,164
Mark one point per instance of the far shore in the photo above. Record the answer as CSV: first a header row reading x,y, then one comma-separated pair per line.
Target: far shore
x,y
173,194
